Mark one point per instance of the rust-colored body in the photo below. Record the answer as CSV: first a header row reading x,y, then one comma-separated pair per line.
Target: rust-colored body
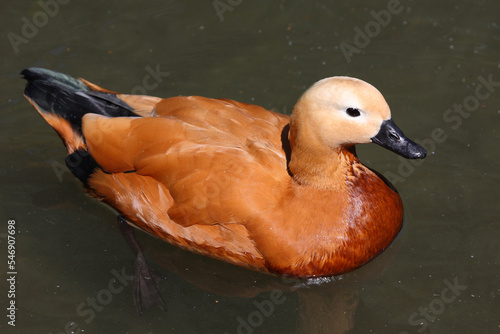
x,y
234,181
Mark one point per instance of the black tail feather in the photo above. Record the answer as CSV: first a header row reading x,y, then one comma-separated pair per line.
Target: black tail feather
x,y
81,164
69,97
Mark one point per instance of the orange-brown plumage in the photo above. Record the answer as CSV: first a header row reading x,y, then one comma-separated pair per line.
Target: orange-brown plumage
x,y
246,185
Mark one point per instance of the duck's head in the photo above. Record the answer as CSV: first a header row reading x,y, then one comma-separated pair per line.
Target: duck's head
x,y
341,112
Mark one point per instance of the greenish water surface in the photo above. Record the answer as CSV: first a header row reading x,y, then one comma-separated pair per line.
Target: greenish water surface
x,y
437,64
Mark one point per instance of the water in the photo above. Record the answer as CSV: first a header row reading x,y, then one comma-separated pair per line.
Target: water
x,y
441,276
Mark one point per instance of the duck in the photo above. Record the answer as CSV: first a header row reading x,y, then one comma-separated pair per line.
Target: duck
x,y
284,195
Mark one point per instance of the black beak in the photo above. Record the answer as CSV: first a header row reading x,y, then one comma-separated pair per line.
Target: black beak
x,y
392,138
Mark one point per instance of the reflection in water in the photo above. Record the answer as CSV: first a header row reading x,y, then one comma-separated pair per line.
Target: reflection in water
x,y
325,305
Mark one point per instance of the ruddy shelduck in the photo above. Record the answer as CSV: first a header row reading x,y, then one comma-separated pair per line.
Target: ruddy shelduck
x,y
234,181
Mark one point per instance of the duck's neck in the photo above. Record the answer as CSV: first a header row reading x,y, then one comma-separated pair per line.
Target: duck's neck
x,y
319,166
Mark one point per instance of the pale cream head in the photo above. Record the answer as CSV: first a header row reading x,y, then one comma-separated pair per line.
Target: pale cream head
x,y
339,111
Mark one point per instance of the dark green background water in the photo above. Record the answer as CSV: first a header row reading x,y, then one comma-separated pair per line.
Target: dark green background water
x,y
442,274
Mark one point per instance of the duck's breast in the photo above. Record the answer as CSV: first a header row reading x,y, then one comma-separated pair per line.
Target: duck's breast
x,y
318,232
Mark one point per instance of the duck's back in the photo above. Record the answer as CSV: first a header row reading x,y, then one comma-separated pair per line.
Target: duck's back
x,y
194,172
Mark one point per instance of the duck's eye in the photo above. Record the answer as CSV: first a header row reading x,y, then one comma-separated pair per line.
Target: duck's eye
x,y
353,112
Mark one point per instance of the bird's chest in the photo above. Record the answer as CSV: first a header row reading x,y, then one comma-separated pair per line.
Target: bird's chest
x,y
329,232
